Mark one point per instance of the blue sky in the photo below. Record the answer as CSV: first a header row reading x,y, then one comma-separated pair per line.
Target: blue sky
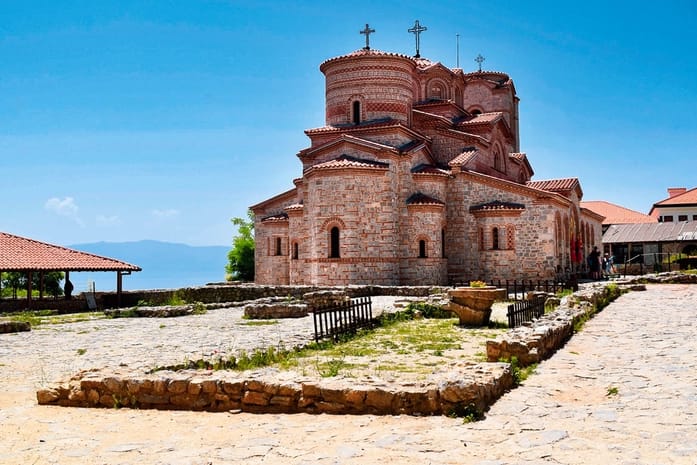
x,y
131,120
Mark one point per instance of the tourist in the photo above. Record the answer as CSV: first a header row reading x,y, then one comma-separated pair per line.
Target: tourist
x,y
609,261
594,263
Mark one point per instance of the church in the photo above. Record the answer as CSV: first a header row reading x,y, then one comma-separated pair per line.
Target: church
x,y
417,178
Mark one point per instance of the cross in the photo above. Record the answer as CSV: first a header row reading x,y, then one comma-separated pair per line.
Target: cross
x,y
367,31
417,30
480,59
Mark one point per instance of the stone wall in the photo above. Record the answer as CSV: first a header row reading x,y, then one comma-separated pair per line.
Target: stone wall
x,y
242,292
474,387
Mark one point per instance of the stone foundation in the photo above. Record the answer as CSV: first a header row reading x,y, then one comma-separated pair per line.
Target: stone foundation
x,y
472,387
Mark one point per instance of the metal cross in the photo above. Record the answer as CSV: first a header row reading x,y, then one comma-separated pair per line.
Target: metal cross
x,y
480,59
417,30
367,31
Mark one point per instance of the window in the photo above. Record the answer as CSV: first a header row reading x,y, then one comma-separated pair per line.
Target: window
x,y
442,243
682,217
278,246
422,248
495,238
694,217
437,92
667,219
295,250
356,114
334,243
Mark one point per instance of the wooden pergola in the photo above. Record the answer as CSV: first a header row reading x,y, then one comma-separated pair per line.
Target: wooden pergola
x,y
19,254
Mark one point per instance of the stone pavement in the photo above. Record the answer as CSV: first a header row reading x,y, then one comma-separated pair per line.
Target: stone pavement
x,y
622,391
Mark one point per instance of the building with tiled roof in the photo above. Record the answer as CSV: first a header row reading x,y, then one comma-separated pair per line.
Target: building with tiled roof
x,y
681,205
31,256
416,177
616,214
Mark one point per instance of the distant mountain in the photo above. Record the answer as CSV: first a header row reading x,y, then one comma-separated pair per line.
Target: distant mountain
x,y
165,265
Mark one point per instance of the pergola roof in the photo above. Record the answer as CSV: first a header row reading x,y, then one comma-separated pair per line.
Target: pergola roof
x,y
22,254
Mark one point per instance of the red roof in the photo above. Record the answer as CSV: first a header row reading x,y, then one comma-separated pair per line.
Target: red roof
x,y
483,118
423,199
464,157
554,185
615,214
687,197
346,161
22,254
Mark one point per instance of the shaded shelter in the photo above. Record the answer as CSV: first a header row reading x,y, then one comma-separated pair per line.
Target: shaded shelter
x,y
20,254
650,243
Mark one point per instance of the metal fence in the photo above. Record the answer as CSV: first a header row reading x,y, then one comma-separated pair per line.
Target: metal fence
x,y
334,320
517,290
526,310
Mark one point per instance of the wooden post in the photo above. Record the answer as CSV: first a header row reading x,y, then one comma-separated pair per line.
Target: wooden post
x,y
41,285
29,289
119,283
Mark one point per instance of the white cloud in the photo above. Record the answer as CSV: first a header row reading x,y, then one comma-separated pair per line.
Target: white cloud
x,y
64,207
168,213
103,220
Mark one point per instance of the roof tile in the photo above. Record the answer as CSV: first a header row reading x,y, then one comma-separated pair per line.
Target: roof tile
x,y
616,214
22,254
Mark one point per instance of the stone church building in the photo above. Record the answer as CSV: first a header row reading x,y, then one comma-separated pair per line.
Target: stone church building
x,y
416,178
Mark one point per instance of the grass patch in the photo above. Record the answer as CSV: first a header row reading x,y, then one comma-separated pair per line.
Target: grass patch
x,y
612,391
81,351
52,317
259,322
398,345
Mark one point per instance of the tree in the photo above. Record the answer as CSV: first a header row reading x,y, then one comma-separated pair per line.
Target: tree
x,y
241,256
18,280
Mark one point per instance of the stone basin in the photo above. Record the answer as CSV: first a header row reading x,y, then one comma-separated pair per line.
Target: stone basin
x,y
472,305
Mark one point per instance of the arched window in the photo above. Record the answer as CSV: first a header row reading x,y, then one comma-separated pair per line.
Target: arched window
x,y
476,112
334,243
356,112
495,238
278,246
437,92
422,248
295,250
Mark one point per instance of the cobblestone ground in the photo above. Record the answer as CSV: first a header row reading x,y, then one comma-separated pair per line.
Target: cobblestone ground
x,y
622,391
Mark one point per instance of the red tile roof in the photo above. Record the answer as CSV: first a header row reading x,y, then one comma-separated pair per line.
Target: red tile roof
x,y
346,161
423,199
483,118
554,185
22,254
616,214
465,157
430,169
497,205
687,197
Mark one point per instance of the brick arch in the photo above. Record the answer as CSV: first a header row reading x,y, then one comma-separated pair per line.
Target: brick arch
x,y
499,157
427,244
437,83
350,108
331,222
478,109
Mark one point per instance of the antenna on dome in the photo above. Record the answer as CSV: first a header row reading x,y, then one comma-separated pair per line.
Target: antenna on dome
x,y
457,50
367,31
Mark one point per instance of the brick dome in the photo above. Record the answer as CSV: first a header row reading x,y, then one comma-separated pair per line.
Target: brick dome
x,y
368,85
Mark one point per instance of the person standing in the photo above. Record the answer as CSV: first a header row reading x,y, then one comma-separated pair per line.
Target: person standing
x,y
594,263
